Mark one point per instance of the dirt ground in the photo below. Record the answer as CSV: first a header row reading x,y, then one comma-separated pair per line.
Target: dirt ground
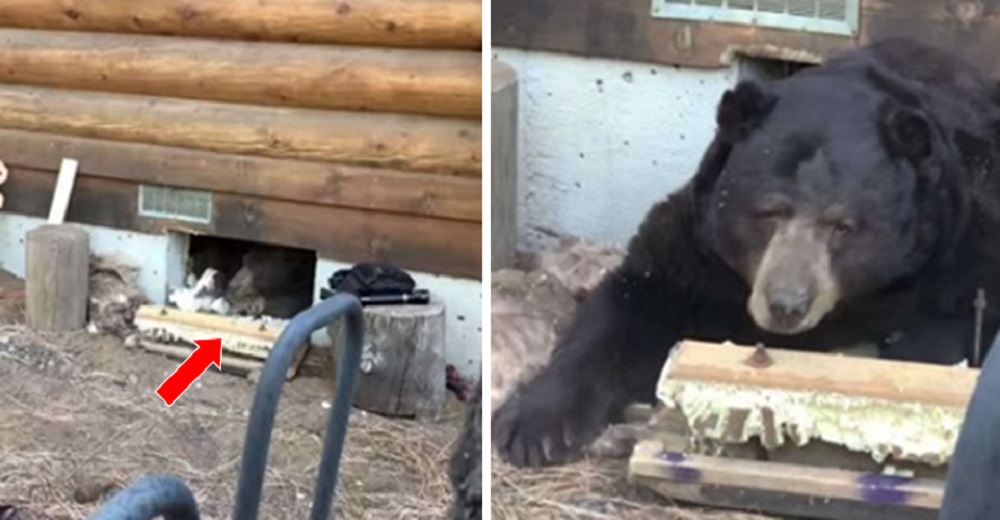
x,y
588,490
79,419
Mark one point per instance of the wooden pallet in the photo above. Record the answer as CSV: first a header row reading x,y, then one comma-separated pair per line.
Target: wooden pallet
x,y
802,434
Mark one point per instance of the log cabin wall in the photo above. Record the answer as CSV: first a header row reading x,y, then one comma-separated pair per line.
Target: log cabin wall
x,y
625,30
348,127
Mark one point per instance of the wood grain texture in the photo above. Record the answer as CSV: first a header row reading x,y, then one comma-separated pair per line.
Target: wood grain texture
x,y
431,245
625,29
503,172
447,146
408,81
409,23
57,278
403,363
781,488
310,182
936,385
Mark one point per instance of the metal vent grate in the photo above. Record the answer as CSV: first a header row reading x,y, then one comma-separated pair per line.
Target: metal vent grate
x,y
175,204
816,16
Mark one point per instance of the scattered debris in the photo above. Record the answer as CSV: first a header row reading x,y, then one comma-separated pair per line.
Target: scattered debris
x,y
204,295
529,311
579,264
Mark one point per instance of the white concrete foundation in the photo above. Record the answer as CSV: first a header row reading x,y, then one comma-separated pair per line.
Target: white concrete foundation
x,y
603,140
152,253
161,259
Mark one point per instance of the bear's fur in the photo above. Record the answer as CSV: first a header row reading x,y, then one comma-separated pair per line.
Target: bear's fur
x,y
465,466
856,201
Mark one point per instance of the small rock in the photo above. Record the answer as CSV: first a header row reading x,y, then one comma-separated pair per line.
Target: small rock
x,y
91,491
132,341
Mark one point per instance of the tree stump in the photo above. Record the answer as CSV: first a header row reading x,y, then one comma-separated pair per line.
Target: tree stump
x,y
57,278
503,179
403,364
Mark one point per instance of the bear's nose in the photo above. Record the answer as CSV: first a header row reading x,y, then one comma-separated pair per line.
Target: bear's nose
x,y
789,306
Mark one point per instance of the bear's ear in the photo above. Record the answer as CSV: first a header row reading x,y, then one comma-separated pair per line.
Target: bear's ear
x,y
742,109
907,132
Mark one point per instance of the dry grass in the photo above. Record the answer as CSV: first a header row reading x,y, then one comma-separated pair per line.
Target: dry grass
x,y
79,417
587,490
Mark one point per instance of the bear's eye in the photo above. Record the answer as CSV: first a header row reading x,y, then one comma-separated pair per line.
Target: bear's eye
x,y
842,228
774,213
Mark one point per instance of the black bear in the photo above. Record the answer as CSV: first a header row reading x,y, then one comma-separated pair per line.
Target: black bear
x,y
854,202
465,467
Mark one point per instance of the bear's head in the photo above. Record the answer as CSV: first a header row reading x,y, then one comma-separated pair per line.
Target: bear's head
x,y
819,189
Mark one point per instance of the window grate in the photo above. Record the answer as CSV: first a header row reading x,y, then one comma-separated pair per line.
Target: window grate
x,y
175,204
816,16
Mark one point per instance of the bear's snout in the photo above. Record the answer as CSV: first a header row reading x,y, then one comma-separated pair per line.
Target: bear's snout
x,y
793,286
789,305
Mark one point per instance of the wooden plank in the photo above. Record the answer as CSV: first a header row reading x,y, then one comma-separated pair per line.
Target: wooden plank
x,y
503,175
652,464
448,146
409,81
901,381
424,244
284,179
64,187
410,23
625,29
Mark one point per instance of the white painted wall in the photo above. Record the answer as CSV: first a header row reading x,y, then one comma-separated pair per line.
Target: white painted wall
x,y
152,253
601,141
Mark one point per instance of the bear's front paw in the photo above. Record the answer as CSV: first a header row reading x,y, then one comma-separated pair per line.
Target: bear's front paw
x,y
533,430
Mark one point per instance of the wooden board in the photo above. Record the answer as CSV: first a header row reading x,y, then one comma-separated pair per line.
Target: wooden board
x,y
437,246
411,23
938,385
625,29
853,494
449,146
311,182
410,81
239,335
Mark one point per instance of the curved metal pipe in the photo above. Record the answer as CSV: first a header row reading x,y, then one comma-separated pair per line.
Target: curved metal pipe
x,y
150,497
974,470
272,378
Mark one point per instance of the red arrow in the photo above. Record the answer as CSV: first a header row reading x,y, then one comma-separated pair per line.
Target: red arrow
x,y
209,352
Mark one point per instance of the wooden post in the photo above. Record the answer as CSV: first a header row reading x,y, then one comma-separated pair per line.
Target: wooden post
x,y
504,163
56,280
402,366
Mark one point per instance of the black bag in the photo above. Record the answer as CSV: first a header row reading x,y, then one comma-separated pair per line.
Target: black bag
x,y
370,279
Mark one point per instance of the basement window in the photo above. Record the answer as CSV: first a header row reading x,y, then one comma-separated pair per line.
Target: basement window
x,y
839,17
242,278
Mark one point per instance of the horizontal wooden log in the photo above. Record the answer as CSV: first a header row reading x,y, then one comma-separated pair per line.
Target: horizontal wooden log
x,y
448,146
624,29
438,246
800,490
897,381
411,23
297,181
446,83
